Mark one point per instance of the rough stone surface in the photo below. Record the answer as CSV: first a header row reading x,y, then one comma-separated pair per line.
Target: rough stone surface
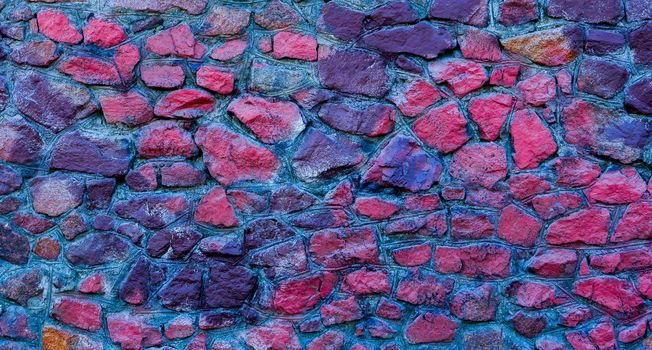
x,y
325,175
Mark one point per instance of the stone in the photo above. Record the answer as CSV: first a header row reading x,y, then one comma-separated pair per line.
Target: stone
x,y
262,232
126,58
504,75
53,104
228,286
403,164
103,33
518,227
549,47
588,226
477,304
273,335
230,157
480,45
183,291
185,104
340,311
553,263
480,260
129,108
462,76
277,15
223,20
14,324
215,79
229,50
375,208
272,121
91,71
173,243
180,327
392,13
39,53
422,288
617,187
637,98
355,72
274,78
20,142
366,281
483,164
514,12
165,139
365,119
78,313
473,12
603,42
181,174
601,78
614,294
170,207
300,294
430,327
84,152
97,249
601,11
340,21
214,209
23,285
10,180
634,223
443,128
329,340
321,155
284,259
533,141
414,96
56,26
294,45
638,10
412,255
131,331
55,194
490,112
176,41
339,248
538,89
576,172
469,224
164,76
549,206
193,7
621,261
421,39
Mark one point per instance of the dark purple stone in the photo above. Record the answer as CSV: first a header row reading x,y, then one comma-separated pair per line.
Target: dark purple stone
x,y
342,22
640,41
180,240
408,64
392,13
217,319
14,247
135,287
100,192
473,12
22,285
183,291
262,232
354,72
513,12
638,96
368,119
228,286
602,42
321,155
21,143
289,199
594,11
320,219
169,209
421,39
97,249
601,77
90,154
10,180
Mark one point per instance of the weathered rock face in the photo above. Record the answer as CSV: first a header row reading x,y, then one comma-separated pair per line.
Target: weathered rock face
x,y
325,175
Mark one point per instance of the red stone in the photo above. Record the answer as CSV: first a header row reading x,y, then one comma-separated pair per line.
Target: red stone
x,y
47,248
414,96
467,224
588,226
423,288
549,206
504,75
366,281
166,76
301,294
429,327
375,208
232,158
56,26
55,194
489,112
480,163
229,50
480,260
635,223
532,294
132,332
276,335
126,58
164,138
425,202
553,263
39,53
616,295
443,128
340,311
480,45
525,185
215,79
338,248
214,209
518,227
633,332
130,108
180,327
78,313
328,340
462,76
185,104
294,45
617,262
617,187
413,255
92,284
644,284
271,121
103,33
538,89
89,70
575,172
533,142
477,304
176,41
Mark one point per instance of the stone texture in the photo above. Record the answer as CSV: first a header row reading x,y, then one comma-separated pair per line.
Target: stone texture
x,y
550,47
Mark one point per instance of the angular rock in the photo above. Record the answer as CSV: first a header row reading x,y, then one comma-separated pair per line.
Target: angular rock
x,y
538,89
443,128
214,209
588,226
20,142
215,79
481,260
169,208
76,151
228,286
56,26
421,39
223,20
635,223
103,33
339,248
273,335
39,53
173,243
602,42
601,77
367,119
549,206
55,194
232,158
473,12
229,50
477,305
617,187
480,45
129,108
637,96
513,12
97,249
533,141
91,71
78,313
164,76
131,331
185,104
299,46
342,22
262,232
183,291
176,41
297,295
413,96
576,172
600,11
482,163
429,327
165,139
518,227
354,72
616,295
462,76
55,105
422,288
394,12
277,15
549,47
553,263
285,259
403,164
271,121
321,155
489,112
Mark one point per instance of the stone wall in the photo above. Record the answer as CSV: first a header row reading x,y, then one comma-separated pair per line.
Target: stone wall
x,y
352,174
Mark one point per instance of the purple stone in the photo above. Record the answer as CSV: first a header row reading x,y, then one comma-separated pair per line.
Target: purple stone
x,y
421,39
640,41
340,21
392,13
473,12
638,10
91,154
354,72
602,42
638,96
601,77
594,11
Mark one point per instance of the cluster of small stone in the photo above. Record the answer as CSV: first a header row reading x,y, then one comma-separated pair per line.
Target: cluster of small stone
x,y
359,174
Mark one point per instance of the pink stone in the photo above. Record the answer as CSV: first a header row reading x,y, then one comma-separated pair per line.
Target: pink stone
x,y
78,313
588,226
414,96
518,227
215,79
214,209
273,335
504,75
165,76
103,33
365,281
294,45
480,163
176,41
443,128
375,208
229,50
130,108
538,89
56,26
270,120
617,187
164,138
489,112
413,255
480,45
429,328
533,142
462,76
185,104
